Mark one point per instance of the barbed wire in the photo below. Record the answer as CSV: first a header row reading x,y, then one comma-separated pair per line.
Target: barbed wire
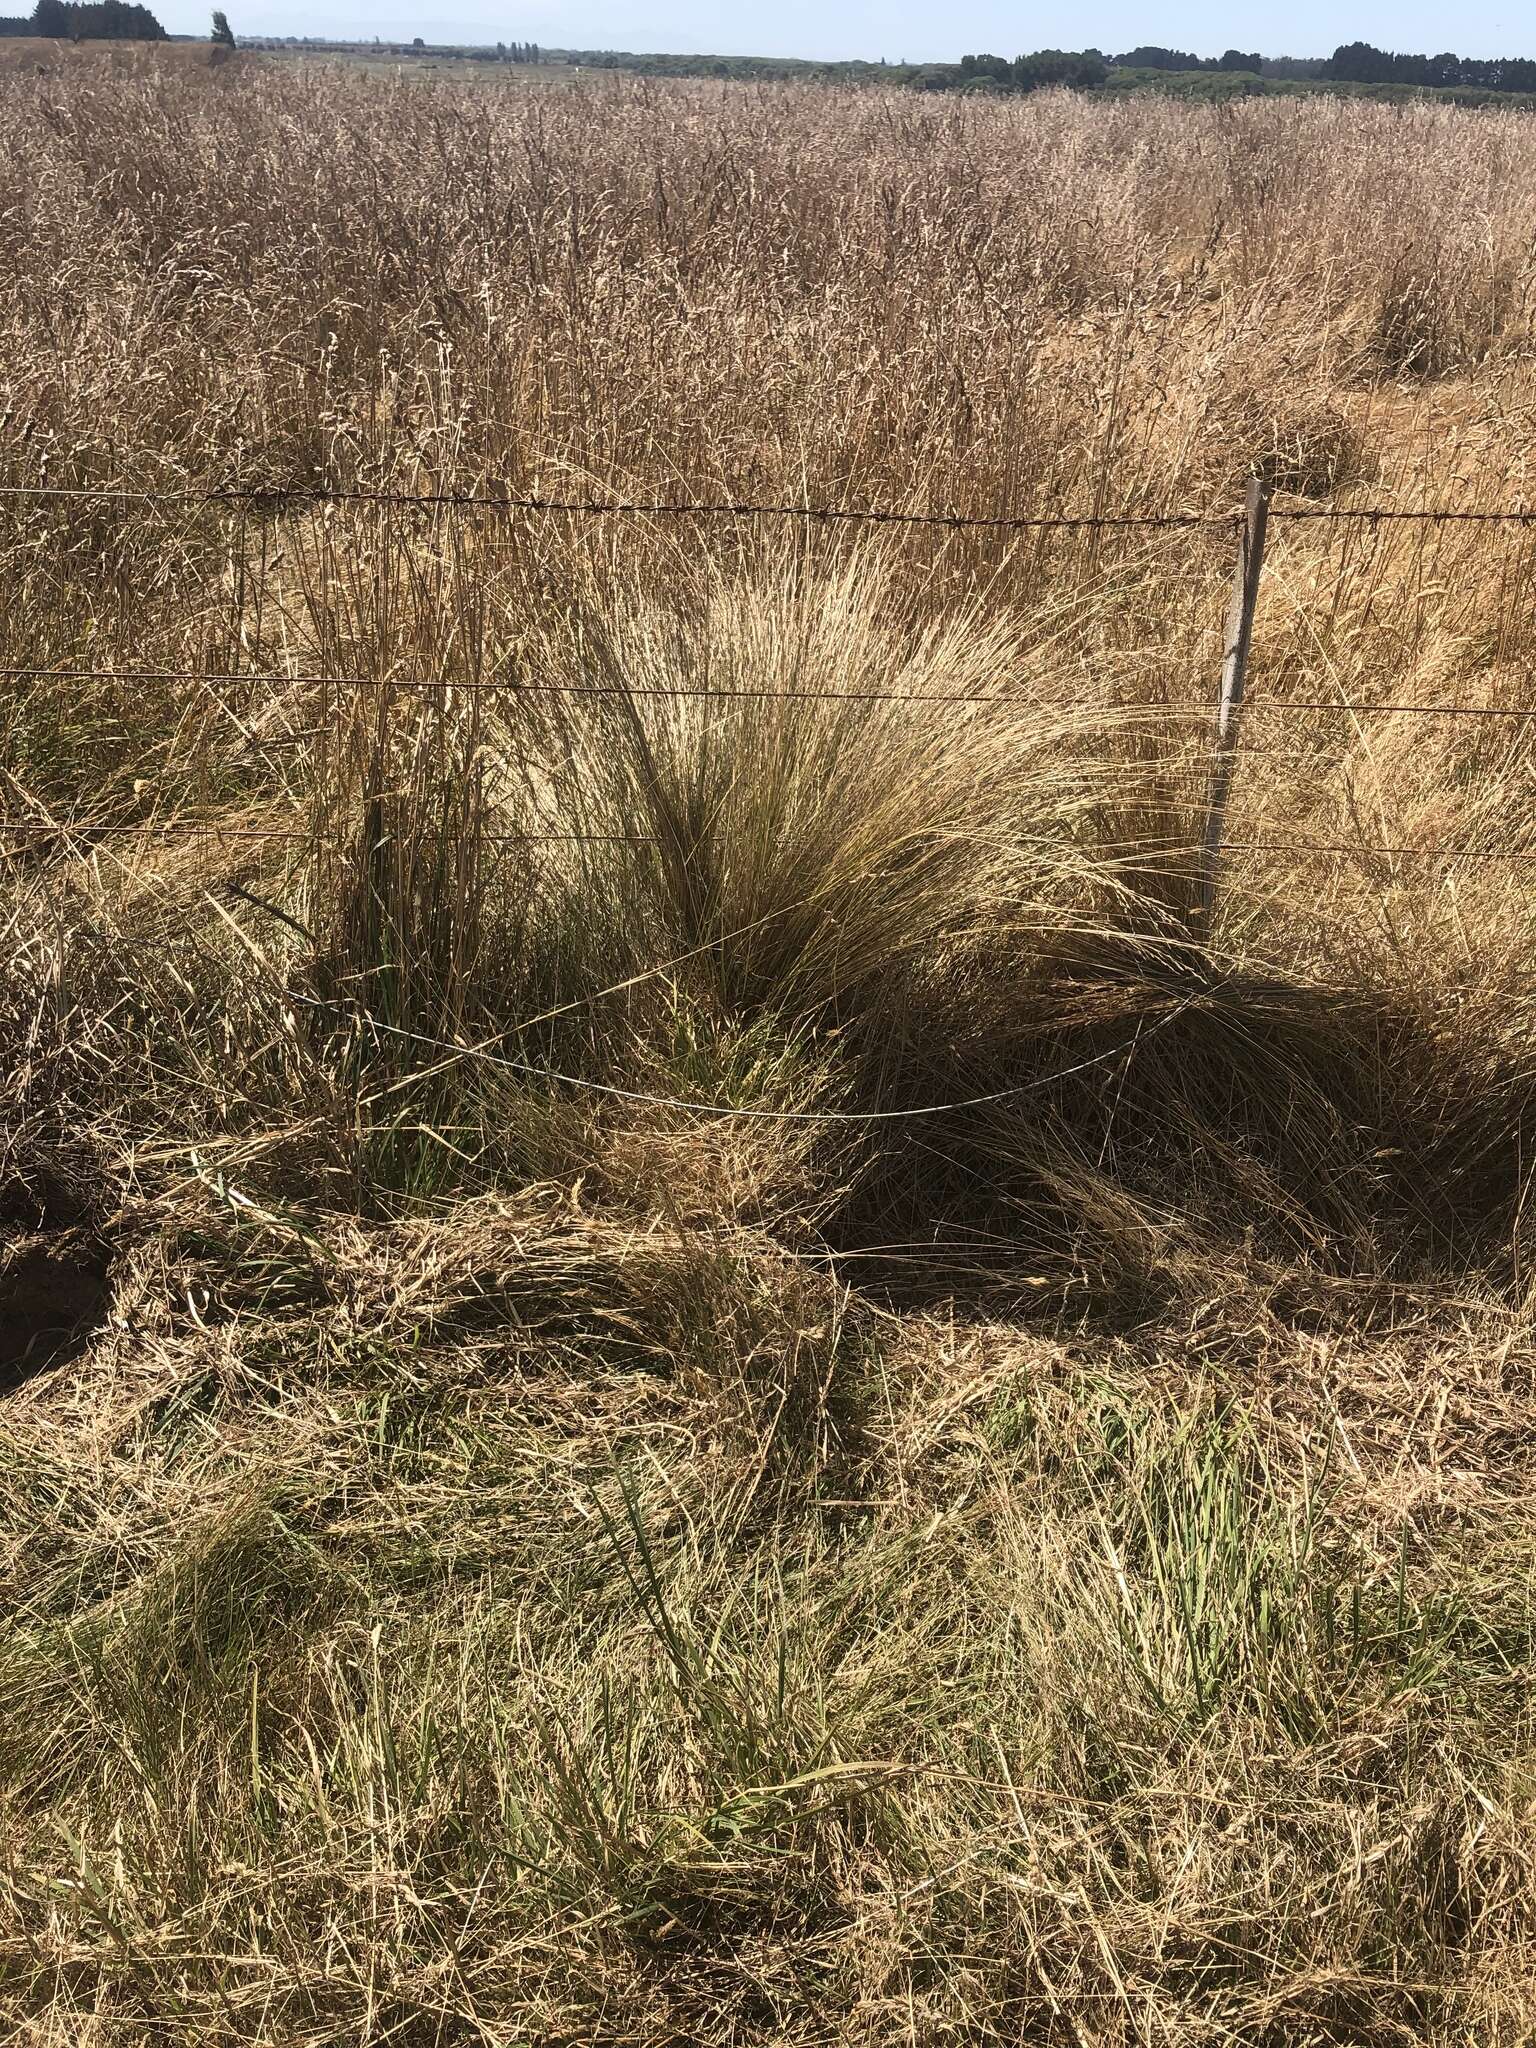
x,y
1367,852
516,686
83,834
1165,848
1190,707
194,828
1440,515
1345,708
276,495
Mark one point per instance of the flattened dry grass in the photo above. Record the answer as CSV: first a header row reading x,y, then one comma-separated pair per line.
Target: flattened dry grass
x,y
513,1623
493,1550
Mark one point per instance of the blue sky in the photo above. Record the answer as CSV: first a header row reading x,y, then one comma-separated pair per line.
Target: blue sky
x,y
882,28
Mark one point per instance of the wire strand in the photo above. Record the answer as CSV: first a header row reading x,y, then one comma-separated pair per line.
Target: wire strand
x,y
1191,707
533,1071
1441,515
1510,853
517,687
730,1111
277,495
151,828
1165,846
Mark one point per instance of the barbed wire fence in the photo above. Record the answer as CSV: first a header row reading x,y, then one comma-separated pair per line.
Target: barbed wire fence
x,y
276,496
1226,709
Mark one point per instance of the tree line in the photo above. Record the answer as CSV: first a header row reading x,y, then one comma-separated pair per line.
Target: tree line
x,y
1084,70
111,21
1350,64
1364,64
1153,57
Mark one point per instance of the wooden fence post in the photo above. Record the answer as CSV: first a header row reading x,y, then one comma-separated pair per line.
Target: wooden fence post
x,y
1234,669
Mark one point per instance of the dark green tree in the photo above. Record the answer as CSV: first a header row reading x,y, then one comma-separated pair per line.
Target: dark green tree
x,y
223,34
1361,64
1153,57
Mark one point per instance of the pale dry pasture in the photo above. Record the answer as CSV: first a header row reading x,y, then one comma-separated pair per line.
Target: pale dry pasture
x,y
674,1368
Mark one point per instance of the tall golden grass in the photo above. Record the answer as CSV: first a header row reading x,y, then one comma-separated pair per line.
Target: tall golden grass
x,y
1019,1527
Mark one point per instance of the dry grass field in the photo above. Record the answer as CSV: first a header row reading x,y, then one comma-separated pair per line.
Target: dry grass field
x,y
50,57
674,1369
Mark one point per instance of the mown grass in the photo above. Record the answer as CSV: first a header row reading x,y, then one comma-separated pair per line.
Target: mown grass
x,y
1020,1529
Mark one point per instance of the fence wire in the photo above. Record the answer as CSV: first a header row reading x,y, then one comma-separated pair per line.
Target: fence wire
x,y
274,496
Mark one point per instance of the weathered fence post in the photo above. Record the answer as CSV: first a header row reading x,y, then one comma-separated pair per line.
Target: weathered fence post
x,y
1234,668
